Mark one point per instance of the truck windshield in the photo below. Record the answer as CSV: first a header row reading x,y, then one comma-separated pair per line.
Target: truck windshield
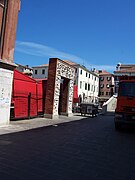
x,y
127,89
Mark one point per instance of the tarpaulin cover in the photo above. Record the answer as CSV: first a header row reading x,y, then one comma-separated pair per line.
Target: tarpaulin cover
x,y
75,97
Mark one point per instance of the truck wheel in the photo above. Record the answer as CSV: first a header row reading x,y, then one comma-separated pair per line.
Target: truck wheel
x,y
117,126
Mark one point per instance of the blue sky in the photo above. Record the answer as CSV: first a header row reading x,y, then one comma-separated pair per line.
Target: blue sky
x,y
95,33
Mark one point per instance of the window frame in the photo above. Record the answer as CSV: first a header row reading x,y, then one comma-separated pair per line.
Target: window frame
x,y
36,71
43,70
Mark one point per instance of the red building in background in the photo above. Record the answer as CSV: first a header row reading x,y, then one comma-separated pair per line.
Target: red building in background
x,y
106,86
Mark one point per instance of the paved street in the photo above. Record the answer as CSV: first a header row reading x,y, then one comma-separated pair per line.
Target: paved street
x,y
78,150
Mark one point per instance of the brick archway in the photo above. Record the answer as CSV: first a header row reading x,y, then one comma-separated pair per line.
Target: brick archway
x,y
59,70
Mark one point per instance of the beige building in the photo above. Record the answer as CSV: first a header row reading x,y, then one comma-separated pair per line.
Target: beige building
x,y
40,72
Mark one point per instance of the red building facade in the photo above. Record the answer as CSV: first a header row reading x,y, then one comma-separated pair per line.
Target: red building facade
x,y
106,86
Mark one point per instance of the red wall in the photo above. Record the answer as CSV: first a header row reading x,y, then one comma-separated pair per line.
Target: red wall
x,y
75,96
22,87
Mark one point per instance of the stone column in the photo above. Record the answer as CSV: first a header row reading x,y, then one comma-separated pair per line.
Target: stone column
x,y
70,97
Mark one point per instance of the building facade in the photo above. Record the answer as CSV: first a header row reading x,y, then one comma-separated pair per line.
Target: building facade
x,y
106,86
40,72
86,80
25,69
123,70
8,23
88,84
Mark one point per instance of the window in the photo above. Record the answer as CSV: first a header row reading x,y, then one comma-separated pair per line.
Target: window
x,y
80,84
92,88
81,71
89,75
102,93
43,71
102,85
95,78
35,71
127,89
85,86
86,74
107,85
101,78
108,78
88,87
108,93
116,78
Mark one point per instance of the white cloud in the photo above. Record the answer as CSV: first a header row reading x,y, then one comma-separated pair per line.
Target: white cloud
x,y
44,51
40,50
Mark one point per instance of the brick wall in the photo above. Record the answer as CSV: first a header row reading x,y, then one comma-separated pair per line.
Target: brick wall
x,y
105,91
50,86
7,50
1,12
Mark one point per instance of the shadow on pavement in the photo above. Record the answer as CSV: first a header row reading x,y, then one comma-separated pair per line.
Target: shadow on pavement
x,y
82,121
127,128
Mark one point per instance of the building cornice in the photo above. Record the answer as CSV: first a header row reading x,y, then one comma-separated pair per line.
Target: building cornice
x,y
7,65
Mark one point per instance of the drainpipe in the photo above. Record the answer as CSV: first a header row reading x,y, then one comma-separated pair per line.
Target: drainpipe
x,y
3,27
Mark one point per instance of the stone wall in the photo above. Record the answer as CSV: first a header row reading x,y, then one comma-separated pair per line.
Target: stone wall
x,y
6,77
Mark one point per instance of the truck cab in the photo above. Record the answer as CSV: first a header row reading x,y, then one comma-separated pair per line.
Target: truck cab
x,y
125,108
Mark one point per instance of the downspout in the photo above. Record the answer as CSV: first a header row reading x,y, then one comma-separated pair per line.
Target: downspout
x,y
3,27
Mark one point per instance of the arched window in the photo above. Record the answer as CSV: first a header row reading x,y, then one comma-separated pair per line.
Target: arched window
x,y
108,78
101,78
102,85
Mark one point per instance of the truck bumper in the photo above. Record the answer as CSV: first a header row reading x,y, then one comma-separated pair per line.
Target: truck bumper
x,y
124,118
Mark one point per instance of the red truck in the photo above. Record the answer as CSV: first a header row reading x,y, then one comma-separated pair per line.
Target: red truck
x,y
125,109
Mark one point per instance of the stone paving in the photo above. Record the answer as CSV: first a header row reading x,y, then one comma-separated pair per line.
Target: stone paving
x,y
23,125
85,149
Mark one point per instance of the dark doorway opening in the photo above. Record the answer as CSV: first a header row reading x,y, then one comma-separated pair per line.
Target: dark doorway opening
x,y
63,97
60,96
